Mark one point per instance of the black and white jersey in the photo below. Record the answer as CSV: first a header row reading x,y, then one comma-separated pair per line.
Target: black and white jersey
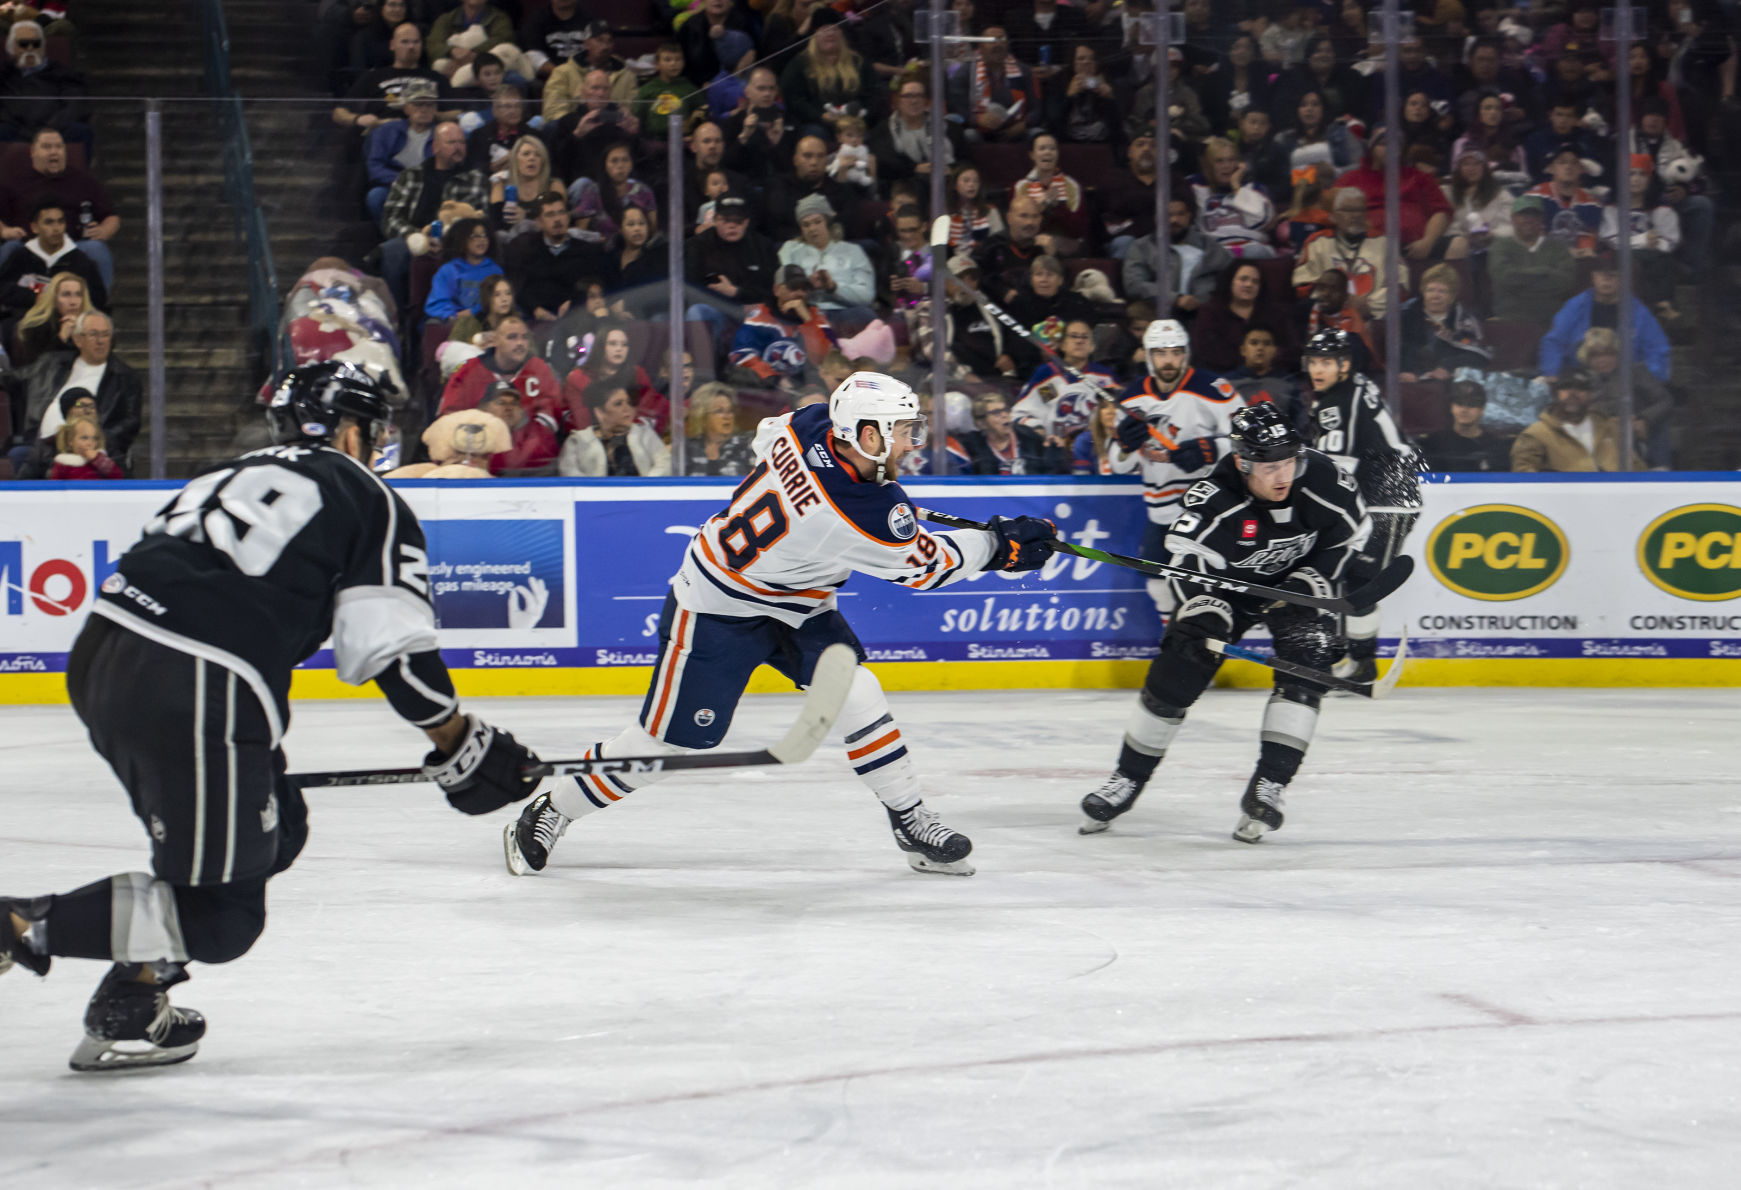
x,y
252,565
1350,423
1225,531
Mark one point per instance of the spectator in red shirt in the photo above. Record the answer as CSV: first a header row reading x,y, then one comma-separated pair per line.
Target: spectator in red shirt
x,y
79,453
1424,211
511,359
534,449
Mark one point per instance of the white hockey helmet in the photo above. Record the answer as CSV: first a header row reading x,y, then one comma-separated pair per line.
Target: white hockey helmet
x,y
1164,332
880,400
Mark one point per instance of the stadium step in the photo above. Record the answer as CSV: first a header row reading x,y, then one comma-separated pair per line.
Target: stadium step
x,y
129,51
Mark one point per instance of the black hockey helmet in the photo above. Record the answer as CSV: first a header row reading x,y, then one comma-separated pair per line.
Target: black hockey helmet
x,y
1330,343
1263,434
311,401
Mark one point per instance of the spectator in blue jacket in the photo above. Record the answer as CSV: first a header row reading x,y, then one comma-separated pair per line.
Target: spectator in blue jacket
x,y
397,145
465,249
1599,305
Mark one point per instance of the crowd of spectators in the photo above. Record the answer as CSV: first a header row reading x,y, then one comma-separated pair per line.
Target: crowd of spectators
x,y
515,162
56,266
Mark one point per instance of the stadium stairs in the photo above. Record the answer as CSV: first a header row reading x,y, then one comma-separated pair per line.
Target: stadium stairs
x,y
138,50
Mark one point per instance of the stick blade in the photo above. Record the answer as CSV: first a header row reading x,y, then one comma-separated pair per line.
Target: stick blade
x,y
822,702
1393,675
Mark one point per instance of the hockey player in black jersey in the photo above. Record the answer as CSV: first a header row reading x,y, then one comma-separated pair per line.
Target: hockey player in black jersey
x,y
182,676
1275,513
1346,418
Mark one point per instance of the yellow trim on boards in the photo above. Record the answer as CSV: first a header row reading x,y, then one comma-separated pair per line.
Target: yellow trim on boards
x,y
50,688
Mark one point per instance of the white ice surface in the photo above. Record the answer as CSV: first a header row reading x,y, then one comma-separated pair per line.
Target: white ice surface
x,y
1496,945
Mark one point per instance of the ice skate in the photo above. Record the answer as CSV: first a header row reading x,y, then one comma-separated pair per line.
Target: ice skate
x,y
13,949
930,846
139,1017
1262,810
529,839
1117,795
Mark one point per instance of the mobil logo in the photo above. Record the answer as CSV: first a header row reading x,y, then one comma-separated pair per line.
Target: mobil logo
x,y
31,577
1497,552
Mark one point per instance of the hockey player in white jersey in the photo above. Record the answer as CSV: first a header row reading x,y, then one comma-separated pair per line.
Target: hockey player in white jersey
x,y
757,586
1177,421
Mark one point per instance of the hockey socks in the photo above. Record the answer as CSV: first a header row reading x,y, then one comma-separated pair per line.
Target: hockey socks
x,y
586,793
1148,733
874,746
128,918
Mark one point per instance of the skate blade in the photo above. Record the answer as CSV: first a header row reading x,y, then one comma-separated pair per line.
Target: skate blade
x,y
920,864
95,1055
1249,830
511,851
1093,826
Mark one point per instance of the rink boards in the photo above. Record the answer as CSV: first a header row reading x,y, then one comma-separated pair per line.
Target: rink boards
x,y
554,586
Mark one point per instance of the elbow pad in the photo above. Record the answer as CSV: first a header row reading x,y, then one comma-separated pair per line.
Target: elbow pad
x,y
419,688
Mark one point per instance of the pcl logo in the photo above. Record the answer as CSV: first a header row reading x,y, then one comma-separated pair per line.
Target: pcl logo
x,y
1694,552
1497,552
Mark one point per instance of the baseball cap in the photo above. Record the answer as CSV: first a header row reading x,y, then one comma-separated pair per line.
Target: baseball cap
x,y
1605,262
415,90
793,277
963,264
1526,204
731,205
594,29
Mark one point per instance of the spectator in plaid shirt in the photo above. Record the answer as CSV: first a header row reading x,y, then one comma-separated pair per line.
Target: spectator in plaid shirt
x,y
415,202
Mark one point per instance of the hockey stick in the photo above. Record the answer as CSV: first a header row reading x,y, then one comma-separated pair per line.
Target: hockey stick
x,y
939,241
1374,690
1376,591
822,703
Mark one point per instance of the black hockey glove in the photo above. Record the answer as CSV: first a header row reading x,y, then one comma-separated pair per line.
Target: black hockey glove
x,y
487,771
1133,433
1193,454
1023,542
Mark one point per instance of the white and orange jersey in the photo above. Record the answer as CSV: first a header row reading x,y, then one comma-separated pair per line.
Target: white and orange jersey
x,y
1202,406
802,522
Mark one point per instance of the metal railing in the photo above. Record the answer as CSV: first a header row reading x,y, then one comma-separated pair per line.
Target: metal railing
x,y
263,305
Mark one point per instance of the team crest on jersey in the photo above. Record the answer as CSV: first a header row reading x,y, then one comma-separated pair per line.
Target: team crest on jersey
x,y
902,523
269,816
817,456
1330,419
1198,493
158,831
704,717
1279,555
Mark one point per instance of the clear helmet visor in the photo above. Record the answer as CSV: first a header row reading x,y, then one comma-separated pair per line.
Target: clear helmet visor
x,y
1274,470
911,434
